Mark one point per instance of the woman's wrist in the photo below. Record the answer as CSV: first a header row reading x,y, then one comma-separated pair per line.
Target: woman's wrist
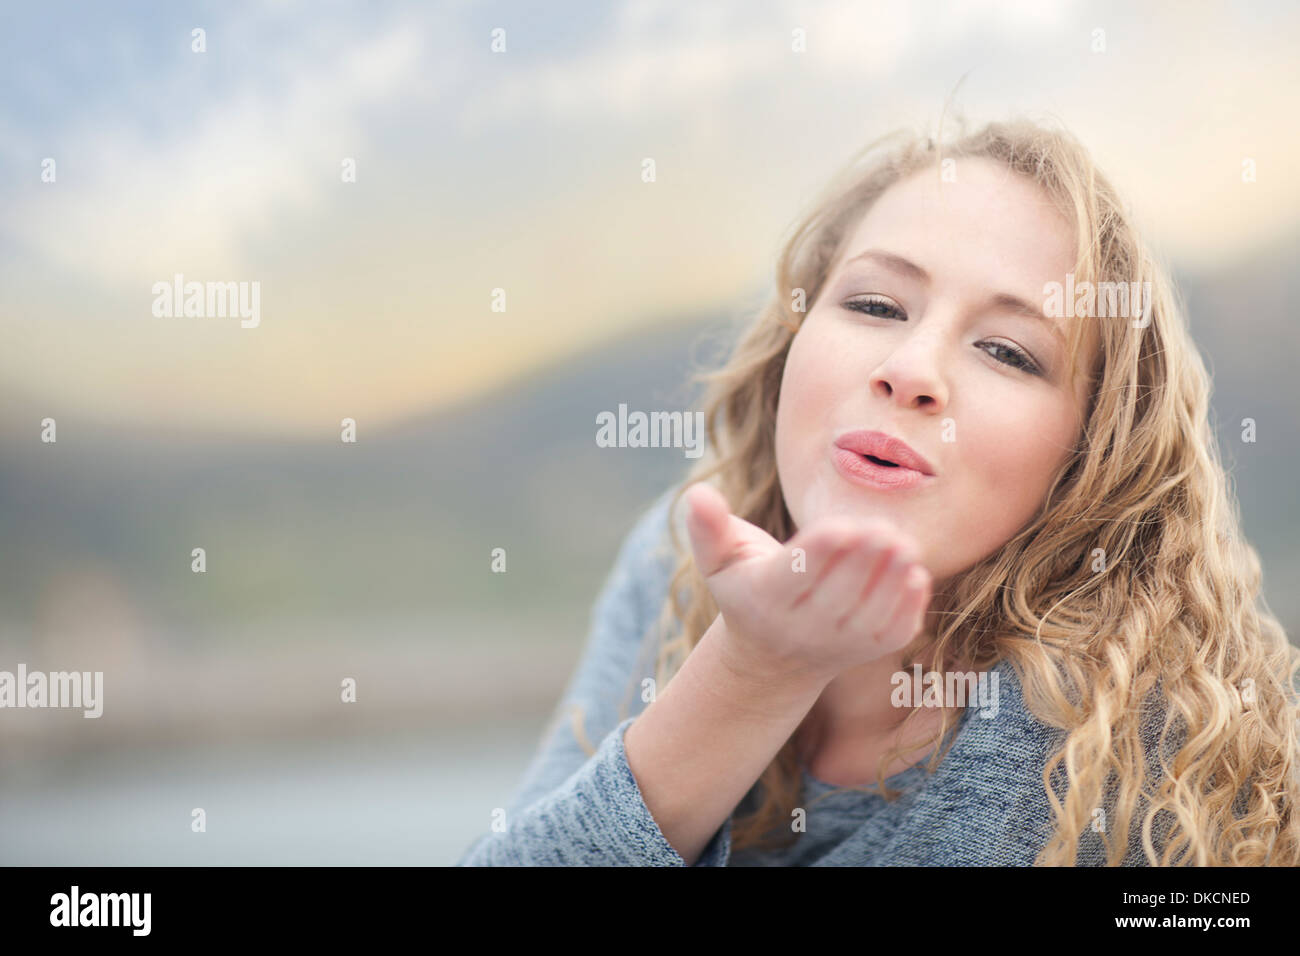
x,y
754,681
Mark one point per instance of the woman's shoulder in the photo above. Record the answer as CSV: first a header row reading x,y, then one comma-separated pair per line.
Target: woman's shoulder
x,y
1002,718
994,770
624,636
647,557
998,732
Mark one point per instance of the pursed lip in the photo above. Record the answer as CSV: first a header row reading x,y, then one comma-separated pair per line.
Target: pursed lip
x,y
887,447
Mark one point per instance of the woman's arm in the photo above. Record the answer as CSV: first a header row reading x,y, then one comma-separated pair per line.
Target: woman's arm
x,y
573,808
660,790
707,738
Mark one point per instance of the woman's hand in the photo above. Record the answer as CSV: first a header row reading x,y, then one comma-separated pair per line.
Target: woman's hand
x,y
858,593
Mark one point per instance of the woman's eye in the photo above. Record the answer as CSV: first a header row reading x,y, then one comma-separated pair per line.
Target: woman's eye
x,y
1017,357
870,305
882,308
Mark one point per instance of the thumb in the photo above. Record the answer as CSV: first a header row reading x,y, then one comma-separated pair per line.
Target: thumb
x,y
718,537
706,522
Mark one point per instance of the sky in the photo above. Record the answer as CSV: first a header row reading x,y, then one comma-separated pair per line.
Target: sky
x,y
521,170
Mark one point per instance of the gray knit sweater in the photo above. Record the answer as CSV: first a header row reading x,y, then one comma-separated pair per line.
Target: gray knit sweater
x,y
984,805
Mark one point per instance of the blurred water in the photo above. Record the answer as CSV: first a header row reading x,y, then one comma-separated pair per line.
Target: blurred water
x,y
414,799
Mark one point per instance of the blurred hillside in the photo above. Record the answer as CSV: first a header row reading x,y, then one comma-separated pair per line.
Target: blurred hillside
x,y
326,558
402,522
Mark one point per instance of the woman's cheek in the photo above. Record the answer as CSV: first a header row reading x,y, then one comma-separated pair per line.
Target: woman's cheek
x,y
814,386
1015,478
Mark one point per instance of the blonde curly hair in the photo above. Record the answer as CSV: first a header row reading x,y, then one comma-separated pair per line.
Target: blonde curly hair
x,y
1176,615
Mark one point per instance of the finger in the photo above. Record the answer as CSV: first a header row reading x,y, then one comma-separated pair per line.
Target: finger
x,y
905,621
879,599
901,548
827,543
909,616
859,562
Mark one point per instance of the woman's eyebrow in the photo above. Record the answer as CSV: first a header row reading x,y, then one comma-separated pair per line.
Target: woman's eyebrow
x,y
891,260
1004,301
1017,306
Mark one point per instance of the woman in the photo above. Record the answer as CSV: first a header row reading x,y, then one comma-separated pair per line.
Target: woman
x,y
949,444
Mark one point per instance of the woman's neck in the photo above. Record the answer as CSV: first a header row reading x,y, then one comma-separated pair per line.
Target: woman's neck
x,y
857,707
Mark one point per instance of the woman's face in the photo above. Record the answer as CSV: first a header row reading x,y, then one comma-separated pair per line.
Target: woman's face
x,y
978,389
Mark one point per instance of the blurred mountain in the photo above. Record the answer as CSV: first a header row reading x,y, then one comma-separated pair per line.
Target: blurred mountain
x,y
401,524
1243,318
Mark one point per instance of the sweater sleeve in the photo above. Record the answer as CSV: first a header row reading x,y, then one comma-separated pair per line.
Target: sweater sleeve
x,y
575,809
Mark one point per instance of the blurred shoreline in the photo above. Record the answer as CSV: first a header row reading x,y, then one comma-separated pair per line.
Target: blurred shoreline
x,y
255,688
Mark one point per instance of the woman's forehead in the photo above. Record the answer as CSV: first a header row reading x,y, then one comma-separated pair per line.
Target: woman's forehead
x,y
988,218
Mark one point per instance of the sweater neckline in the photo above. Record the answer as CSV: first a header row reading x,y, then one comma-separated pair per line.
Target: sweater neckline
x,y
866,789
894,782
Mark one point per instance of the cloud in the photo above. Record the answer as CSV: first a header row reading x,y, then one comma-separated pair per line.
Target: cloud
x,y
144,205
660,57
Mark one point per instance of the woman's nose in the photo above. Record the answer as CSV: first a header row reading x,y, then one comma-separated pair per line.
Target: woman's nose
x,y
912,373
